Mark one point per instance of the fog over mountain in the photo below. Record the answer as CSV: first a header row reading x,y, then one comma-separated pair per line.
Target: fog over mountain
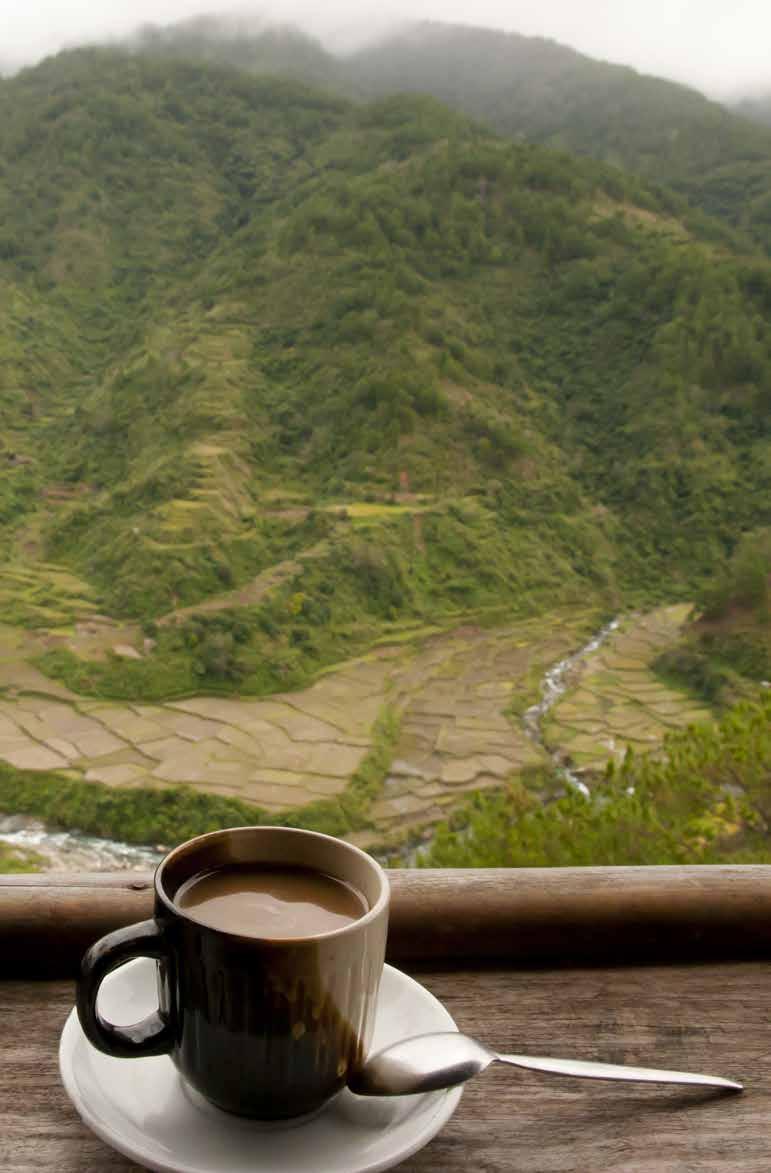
x,y
722,49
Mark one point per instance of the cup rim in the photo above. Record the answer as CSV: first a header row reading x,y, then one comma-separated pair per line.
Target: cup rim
x,y
380,905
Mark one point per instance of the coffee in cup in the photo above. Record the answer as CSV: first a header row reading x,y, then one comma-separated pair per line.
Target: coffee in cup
x,y
279,902
270,944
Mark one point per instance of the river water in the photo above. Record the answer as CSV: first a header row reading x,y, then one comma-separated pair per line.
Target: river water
x,y
75,851
554,685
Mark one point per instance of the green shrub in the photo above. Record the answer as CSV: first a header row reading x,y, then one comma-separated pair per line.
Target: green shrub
x,y
744,582
681,807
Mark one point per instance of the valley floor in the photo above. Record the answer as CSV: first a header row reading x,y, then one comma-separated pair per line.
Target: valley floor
x,y
456,700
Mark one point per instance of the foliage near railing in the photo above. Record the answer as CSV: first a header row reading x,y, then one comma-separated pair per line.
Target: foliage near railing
x,y
729,641
706,800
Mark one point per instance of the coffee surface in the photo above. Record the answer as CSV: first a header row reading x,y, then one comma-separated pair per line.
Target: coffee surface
x,y
275,902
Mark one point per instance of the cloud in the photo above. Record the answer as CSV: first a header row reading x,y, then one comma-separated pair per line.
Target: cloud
x,y
719,47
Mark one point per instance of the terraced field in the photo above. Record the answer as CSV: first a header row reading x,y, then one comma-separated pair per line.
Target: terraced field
x,y
617,701
279,754
291,749
43,594
456,695
455,736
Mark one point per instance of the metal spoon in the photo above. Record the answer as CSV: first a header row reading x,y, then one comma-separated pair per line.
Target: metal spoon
x,y
426,1063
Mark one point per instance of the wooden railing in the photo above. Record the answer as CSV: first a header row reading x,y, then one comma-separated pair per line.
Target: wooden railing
x,y
528,915
473,938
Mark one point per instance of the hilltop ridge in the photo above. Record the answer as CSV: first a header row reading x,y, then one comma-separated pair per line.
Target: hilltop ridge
x,y
248,322
363,406
531,88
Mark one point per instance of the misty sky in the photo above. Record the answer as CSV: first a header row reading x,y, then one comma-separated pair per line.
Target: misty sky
x,y
721,46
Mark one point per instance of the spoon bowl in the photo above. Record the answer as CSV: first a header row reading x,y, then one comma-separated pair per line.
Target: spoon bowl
x,y
426,1063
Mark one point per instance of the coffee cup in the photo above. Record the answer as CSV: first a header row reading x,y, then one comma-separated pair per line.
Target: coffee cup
x,y
270,944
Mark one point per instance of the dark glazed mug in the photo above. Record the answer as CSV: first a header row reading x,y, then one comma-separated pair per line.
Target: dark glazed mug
x,y
267,1028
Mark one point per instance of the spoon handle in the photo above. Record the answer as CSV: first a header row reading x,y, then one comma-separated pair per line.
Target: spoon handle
x,y
587,1070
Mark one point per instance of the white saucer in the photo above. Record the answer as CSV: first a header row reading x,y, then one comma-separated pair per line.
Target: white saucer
x,y
139,1106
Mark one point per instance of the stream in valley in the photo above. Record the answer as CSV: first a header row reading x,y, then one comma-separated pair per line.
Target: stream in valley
x,y
72,851
553,686
75,851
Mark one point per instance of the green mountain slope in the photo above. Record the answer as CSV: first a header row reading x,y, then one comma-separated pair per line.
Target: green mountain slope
x,y
537,89
444,371
531,88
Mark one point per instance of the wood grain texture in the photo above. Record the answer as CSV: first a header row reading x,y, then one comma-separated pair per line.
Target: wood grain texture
x,y
527,914
697,1017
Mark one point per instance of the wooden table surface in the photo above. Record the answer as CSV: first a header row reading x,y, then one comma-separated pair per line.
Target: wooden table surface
x,y
708,1016
695,1017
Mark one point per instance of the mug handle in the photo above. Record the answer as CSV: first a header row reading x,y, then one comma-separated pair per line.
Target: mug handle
x,y
154,1035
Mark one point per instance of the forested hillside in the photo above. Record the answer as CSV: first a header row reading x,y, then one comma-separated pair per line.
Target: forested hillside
x,y
533,89
542,91
244,288
288,379
728,641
